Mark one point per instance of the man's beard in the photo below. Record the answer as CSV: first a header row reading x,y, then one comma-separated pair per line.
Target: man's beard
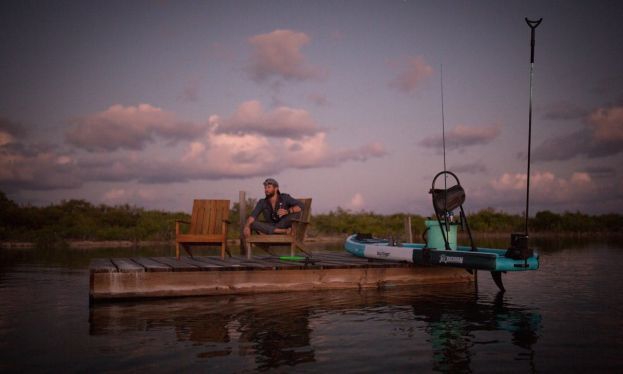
x,y
270,194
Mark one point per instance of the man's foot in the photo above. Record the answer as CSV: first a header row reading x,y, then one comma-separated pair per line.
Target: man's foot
x,y
287,231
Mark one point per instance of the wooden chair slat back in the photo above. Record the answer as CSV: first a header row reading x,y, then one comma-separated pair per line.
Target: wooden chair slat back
x,y
208,215
305,216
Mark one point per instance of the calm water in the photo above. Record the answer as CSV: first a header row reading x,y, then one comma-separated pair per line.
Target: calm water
x,y
566,317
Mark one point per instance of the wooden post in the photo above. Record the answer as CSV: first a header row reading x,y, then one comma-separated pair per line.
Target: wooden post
x,y
408,231
242,205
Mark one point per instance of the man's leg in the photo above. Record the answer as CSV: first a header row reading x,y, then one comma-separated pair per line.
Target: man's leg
x,y
285,223
263,227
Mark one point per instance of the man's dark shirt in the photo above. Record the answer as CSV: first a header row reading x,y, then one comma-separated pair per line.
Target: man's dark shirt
x,y
284,201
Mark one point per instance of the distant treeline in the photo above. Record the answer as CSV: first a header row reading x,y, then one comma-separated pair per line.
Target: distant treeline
x,y
81,220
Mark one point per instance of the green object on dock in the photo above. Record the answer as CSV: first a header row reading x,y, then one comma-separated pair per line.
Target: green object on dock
x,y
292,258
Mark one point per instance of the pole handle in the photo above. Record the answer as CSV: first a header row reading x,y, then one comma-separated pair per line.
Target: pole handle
x,y
533,25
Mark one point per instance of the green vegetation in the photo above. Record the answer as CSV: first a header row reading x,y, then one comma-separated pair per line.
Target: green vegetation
x,y
81,220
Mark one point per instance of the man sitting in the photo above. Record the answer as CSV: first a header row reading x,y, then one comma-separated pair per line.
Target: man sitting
x,y
278,209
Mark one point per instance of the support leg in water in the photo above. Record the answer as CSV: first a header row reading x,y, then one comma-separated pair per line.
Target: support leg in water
x,y
497,278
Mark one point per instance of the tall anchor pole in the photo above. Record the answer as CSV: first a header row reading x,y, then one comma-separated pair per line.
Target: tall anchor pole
x,y
533,25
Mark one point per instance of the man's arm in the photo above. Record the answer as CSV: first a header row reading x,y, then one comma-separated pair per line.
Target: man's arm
x,y
294,205
256,211
247,227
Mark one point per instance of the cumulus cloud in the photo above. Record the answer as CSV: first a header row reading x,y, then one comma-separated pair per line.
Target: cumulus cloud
x,y
598,172
9,130
214,154
128,127
314,151
464,136
282,121
278,55
545,186
548,190
412,74
601,136
607,124
36,167
121,195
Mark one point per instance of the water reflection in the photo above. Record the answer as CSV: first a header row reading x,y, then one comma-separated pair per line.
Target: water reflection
x,y
277,330
457,325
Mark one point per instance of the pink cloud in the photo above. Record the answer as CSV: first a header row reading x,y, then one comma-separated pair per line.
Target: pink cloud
x,y
131,127
545,186
607,124
314,151
278,55
413,73
601,136
464,136
293,142
37,167
283,121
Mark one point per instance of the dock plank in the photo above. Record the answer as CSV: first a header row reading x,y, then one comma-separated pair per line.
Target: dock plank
x,y
151,265
202,265
281,264
247,263
175,264
125,265
261,264
102,265
228,264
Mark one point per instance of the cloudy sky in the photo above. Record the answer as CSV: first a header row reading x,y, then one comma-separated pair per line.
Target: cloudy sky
x,y
155,103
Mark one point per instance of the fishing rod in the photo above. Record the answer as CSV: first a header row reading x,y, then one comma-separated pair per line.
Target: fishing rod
x,y
533,25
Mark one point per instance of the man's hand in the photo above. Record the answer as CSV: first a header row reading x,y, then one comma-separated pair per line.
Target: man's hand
x,y
246,231
282,212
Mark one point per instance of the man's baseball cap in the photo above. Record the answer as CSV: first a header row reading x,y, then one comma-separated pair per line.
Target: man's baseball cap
x,y
271,181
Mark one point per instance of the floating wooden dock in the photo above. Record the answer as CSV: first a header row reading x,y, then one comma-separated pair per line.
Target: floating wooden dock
x,y
123,278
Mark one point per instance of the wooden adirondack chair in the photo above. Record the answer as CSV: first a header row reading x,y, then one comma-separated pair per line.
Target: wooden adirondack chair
x,y
294,239
208,225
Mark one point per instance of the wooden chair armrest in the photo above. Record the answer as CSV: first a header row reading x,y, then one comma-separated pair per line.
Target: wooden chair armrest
x,y
299,220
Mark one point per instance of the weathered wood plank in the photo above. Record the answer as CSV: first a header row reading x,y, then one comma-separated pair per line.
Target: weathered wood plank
x,y
175,264
151,265
202,265
125,265
243,261
186,283
280,264
227,263
261,264
102,265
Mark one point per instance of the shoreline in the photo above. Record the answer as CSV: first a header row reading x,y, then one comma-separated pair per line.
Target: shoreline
x,y
325,239
95,244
